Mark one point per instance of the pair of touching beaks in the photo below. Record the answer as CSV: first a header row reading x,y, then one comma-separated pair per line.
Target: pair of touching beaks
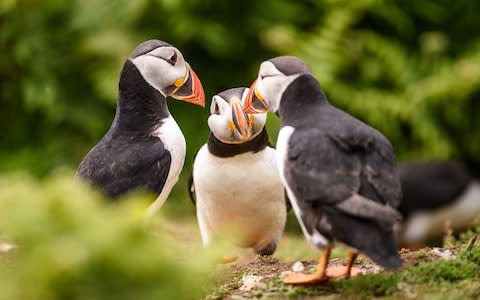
x,y
190,89
242,121
242,124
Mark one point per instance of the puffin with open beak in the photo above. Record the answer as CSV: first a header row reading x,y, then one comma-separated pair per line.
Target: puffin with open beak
x,y
235,182
339,173
144,147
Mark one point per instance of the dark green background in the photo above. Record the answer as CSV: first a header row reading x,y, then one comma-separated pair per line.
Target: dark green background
x,y
409,68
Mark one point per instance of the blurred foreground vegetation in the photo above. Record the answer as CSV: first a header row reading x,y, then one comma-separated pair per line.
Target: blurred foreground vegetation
x,y
71,244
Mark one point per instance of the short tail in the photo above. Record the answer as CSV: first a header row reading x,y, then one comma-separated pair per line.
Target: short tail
x,y
367,236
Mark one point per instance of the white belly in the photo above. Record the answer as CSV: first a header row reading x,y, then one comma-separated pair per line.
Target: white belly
x,y
174,141
242,193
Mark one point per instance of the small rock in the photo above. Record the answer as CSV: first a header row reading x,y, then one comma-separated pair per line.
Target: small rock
x,y
370,269
298,267
250,281
446,254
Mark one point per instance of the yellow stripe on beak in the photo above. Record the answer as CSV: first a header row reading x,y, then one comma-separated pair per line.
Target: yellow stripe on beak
x,y
179,82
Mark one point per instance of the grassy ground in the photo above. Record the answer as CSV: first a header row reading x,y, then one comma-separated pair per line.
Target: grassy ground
x,y
438,273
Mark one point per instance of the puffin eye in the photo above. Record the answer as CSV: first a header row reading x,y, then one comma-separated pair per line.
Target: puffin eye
x,y
265,76
216,109
173,59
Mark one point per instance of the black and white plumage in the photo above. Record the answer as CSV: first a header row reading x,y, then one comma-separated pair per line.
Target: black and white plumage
x,y
144,147
436,195
339,173
235,182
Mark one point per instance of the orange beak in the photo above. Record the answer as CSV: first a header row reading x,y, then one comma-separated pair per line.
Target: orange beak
x,y
190,89
254,103
239,119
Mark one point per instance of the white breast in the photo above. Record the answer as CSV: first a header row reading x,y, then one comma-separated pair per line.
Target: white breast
x,y
432,223
244,192
174,141
282,150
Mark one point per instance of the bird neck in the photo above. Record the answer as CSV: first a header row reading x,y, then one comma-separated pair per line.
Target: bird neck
x,y
302,98
139,105
221,149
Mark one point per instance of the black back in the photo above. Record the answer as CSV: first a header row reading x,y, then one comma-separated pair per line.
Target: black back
x,y
347,155
431,184
128,157
332,156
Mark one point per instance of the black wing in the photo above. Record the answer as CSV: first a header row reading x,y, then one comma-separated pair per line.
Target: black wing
x,y
431,184
330,166
341,183
120,168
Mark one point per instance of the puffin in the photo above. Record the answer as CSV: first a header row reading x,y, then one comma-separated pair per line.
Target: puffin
x,y
339,173
144,147
437,195
235,183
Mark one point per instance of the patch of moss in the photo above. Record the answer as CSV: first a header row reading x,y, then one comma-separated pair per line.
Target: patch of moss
x,y
371,285
465,266
450,271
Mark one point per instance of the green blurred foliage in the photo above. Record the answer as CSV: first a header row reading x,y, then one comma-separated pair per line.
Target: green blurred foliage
x,y
72,244
409,68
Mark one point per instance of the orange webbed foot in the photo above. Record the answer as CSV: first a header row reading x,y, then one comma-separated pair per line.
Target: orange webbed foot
x,y
303,279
